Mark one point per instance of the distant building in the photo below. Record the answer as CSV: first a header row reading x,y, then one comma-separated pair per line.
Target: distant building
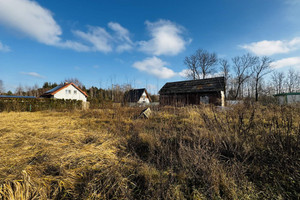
x,y
66,91
139,96
193,92
288,98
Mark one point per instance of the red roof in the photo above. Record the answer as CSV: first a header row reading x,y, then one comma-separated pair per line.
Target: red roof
x,y
58,88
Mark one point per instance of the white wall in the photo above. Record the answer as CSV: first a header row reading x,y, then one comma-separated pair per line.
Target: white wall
x,y
288,99
281,100
293,98
144,99
70,92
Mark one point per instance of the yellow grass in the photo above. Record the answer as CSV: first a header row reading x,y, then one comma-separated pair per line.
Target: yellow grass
x,y
179,153
50,145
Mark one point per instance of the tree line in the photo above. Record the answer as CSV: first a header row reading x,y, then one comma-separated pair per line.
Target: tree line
x,y
244,78
96,96
244,75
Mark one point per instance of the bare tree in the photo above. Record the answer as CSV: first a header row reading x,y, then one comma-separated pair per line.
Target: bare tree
x,y
1,87
76,81
19,90
225,71
297,88
206,62
278,81
261,69
242,66
191,63
201,63
291,80
35,90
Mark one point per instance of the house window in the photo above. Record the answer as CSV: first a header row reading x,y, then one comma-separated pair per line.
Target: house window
x,y
75,91
69,91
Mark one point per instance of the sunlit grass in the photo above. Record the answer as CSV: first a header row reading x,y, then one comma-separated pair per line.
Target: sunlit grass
x,y
244,152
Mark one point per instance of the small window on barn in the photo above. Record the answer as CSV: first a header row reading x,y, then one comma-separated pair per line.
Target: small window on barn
x,y
75,91
69,91
66,91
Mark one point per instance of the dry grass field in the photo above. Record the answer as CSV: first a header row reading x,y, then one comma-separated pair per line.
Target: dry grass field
x,y
245,152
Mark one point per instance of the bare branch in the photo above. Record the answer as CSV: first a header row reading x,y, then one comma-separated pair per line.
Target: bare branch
x,y
261,69
206,61
242,66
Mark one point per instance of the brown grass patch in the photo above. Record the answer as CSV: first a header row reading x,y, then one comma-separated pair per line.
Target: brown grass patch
x,y
245,152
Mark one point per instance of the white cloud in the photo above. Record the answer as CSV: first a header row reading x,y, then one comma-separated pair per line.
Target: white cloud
x,y
271,47
98,37
122,37
122,33
33,74
4,48
36,22
166,39
31,19
185,73
287,62
103,41
74,45
124,47
156,67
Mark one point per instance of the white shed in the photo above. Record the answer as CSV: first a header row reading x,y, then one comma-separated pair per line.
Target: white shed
x,y
66,91
288,98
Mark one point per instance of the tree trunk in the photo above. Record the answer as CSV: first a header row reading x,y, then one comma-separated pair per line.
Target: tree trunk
x,y
256,90
237,91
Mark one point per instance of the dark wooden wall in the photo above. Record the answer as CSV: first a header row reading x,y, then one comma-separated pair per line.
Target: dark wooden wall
x,y
189,99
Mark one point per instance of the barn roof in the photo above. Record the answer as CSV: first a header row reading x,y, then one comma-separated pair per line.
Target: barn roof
x,y
134,95
60,87
194,86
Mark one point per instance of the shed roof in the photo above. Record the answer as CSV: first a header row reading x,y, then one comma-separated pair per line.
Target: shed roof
x,y
286,94
60,87
134,95
194,86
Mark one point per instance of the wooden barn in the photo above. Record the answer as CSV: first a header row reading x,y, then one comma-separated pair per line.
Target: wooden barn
x,y
193,92
137,96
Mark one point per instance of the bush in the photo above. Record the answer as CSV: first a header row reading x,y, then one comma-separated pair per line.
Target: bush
x,y
32,105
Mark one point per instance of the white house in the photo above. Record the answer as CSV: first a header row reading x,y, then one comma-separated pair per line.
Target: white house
x,y
288,98
66,91
139,96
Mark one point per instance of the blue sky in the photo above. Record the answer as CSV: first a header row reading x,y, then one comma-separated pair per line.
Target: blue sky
x,y
139,42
